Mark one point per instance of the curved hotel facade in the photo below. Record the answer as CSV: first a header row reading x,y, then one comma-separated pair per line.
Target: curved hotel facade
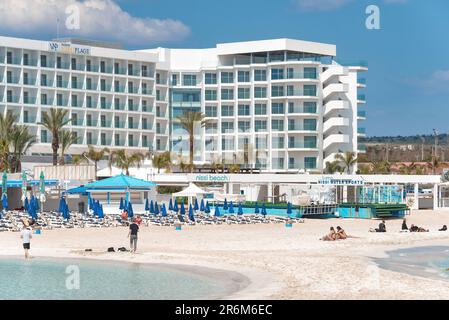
x,y
279,105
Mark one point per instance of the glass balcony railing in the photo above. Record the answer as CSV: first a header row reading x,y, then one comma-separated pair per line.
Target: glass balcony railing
x,y
106,106
15,60
106,69
133,90
133,126
105,88
92,68
361,130
299,92
29,100
121,71
29,81
62,84
62,103
119,143
147,109
119,106
119,88
301,127
91,123
361,147
29,119
302,145
12,80
299,109
46,83
77,85
361,97
105,142
12,99
296,75
361,114
162,81
147,91
78,67
63,65
77,122
105,123
133,108
92,105
133,73
119,124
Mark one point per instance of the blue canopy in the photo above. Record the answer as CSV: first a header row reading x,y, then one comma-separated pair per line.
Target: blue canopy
x,y
170,205
120,182
5,201
122,204
156,209
151,209
191,216
196,206
130,210
80,189
256,209
240,209
175,206
147,206
202,206
264,209
207,209
231,208
217,211
289,208
164,210
26,204
225,204
183,209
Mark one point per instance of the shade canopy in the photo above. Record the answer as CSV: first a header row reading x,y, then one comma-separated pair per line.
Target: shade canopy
x,y
191,191
120,182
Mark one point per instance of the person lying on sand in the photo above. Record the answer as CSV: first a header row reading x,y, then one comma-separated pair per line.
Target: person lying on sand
x,y
444,228
341,234
414,228
331,236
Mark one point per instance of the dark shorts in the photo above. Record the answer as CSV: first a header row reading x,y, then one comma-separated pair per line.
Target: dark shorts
x,y
26,246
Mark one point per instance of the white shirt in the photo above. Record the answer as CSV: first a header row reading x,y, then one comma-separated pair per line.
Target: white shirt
x,y
26,235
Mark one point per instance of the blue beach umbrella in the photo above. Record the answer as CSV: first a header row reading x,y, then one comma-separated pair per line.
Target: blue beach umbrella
x,y
66,213
202,207
240,209
164,210
191,216
170,205
175,206
231,208
289,208
196,207
256,209
130,209
156,209
32,212
183,209
26,204
207,209
5,201
217,211
61,207
151,209
35,203
122,205
264,209
147,206
225,204
100,211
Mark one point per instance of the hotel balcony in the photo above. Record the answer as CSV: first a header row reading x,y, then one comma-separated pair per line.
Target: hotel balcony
x,y
361,132
361,99
333,72
361,148
361,83
335,122
361,115
301,145
335,105
337,138
334,88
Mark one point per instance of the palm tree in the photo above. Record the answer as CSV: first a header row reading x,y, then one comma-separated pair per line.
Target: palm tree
x,y
381,167
348,159
161,161
123,161
95,155
187,121
54,121
407,169
20,141
67,139
76,159
434,164
333,167
364,169
6,126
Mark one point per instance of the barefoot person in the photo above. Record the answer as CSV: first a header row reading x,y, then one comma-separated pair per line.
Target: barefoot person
x,y
26,239
341,234
133,230
332,236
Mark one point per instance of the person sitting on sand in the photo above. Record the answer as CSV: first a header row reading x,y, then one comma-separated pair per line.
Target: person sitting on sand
x,y
382,227
332,236
404,225
444,228
341,234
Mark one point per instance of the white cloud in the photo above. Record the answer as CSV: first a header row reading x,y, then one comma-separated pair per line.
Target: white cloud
x,y
99,19
319,5
437,82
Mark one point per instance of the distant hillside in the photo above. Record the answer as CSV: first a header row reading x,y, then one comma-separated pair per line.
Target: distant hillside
x,y
428,139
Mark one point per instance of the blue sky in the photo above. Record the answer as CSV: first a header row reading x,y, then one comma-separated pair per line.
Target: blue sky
x,y
408,78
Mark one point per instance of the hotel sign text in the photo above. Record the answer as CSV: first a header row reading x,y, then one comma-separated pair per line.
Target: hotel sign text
x,y
68,48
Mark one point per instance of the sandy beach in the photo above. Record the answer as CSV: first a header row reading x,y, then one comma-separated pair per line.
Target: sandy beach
x,y
280,263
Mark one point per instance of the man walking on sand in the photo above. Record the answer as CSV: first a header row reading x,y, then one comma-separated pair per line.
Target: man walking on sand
x,y
133,230
26,239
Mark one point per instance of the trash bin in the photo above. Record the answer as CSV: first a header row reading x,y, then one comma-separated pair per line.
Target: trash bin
x,y
177,226
289,224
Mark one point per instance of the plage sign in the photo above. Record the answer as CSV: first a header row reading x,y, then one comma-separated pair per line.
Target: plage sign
x,y
68,48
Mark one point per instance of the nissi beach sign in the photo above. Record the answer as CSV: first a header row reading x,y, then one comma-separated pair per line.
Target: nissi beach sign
x,y
212,178
68,48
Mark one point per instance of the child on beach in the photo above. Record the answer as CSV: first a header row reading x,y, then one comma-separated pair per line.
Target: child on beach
x,y
26,236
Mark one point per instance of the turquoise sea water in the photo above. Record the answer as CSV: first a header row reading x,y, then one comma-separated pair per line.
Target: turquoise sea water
x,y
43,278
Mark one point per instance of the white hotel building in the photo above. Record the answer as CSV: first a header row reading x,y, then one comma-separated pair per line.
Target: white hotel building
x,y
280,105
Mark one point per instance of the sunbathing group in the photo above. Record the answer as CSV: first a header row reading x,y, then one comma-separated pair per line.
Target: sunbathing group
x,y
333,235
413,228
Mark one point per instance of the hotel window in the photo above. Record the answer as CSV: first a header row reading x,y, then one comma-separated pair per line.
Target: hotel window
x,y
103,139
58,62
89,84
277,56
243,144
158,144
278,163
144,106
26,60
89,102
43,61
44,99
189,80
89,120
73,64
9,77
144,141
310,107
292,163
131,105
261,142
26,98
144,123
9,96
130,69
277,91
309,142
260,92
244,110
277,108
227,94
309,73
210,95
25,116
59,81
174,79
211,128
75,100
103,85
89,137
103,121
131,140
103,102
227,127
59,101
277,142
227,144
211,111
227,77
44,136
260,109
243,76
26,80
277,74
244,93
144,70
277,125
102,66
260,125
210,78
310,124
260,75
244,126
88,65
309,162
310,90
9,57
117,139
75,83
